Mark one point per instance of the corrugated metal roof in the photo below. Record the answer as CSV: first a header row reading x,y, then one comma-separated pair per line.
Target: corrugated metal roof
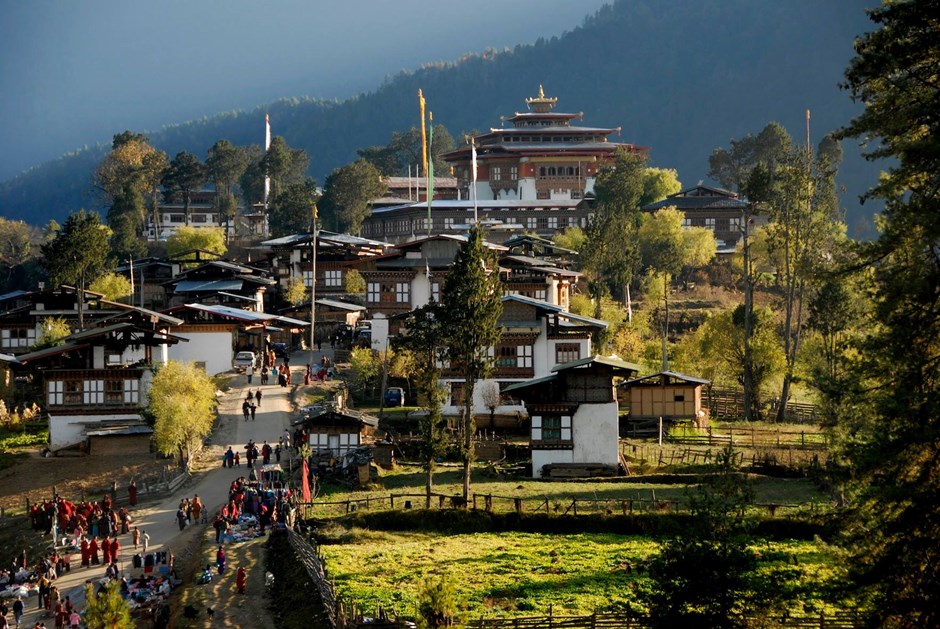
x,y
529,383
245,315
342,305
671,374
201,286
610,361
544,305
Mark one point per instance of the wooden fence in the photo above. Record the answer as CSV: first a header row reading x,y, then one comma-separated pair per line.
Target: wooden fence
x,y
490,503
834,620
729,404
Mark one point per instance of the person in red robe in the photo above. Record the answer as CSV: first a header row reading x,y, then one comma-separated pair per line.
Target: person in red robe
x,y
105,550
86,553
132,493
241,580
93,549
115,548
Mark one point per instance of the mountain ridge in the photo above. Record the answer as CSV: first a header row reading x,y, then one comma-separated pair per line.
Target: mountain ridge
x,y
682,78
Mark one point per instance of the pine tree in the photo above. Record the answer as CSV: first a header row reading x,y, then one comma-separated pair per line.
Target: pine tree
x,y
472,306
893,411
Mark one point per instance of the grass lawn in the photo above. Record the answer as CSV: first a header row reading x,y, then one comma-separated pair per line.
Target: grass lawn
x,y
518,574
559,494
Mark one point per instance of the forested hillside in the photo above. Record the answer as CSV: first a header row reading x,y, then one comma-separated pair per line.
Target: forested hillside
x,y
680,77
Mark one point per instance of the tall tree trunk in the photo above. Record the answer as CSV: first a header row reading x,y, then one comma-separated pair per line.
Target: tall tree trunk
x,y
469,426
429,483
750,397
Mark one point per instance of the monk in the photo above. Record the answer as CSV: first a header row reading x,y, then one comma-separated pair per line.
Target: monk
x,y
241,580
115,547
86,553
93,549
132,493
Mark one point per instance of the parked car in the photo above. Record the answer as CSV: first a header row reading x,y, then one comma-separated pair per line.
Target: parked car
x,y
394,396
281,350
243,359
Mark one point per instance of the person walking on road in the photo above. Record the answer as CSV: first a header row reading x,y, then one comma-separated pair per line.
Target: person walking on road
x,y
253,410
258,397
250,371
246,409
146,537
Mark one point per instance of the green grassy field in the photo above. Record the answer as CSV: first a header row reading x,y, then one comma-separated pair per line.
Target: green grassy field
x,y
517,574
594,495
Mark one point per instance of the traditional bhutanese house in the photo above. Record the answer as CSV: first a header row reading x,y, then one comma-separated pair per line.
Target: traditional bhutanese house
x,y
574,417
719,210
537,278
330,313
147,277
97,382
336,255
222,283
22,317
536,336
537,247
670,395
333,431
215,333
412,274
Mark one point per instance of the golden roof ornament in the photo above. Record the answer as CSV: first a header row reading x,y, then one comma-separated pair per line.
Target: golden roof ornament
x,y
541,103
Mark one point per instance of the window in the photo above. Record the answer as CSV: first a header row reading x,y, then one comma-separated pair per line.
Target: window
x,y
567,352
333,278
131,391
531,222
114,392
555,428
542,194
402,292
308,278
54,391
373,292
14,338
448,223
199,218
497,172
93,392
524,356
541,294
553,222
514,172
73,392
435,291
177,218
575,194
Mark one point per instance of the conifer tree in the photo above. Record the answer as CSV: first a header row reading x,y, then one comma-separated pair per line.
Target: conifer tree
x,y
472,306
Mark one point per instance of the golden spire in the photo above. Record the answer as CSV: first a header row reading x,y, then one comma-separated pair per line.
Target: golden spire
x,y
541,103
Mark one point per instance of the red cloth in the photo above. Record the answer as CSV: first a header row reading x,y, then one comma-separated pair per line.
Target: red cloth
x,y
241,580
304,474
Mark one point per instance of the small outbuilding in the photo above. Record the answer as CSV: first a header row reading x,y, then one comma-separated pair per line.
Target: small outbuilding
x,y
669,395
333,432
574,417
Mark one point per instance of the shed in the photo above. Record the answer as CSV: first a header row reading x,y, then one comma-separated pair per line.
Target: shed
x,y
335,431
574,416
667,394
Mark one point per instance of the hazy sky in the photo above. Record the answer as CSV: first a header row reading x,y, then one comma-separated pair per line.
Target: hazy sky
x,y
75,72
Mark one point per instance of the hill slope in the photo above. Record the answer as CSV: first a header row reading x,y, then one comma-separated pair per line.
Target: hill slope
x,y
680,77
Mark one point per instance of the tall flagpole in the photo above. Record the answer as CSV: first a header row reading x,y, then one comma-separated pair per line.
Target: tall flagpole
x,y
473,169
267,179
430,168
424,139
313,285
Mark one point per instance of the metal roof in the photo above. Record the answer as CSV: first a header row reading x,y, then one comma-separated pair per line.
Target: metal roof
x,y
50,351
245,315
529,383
609,361
671,374
201,286
561,312
342,305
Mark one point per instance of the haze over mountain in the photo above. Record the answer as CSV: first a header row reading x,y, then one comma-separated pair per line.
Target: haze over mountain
x,y
680,77
76,73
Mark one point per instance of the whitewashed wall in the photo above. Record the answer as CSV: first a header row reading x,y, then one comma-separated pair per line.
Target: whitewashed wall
x,y
212,348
